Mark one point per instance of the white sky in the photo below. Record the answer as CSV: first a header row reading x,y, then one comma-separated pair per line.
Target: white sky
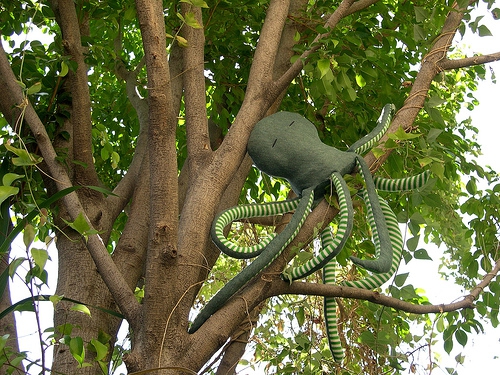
x,y
482,355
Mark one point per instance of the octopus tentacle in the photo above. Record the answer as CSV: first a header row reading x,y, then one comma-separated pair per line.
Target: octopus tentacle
x,y
268,255
331,246
401,184
243,212
384,247
371,282
330,310
367,142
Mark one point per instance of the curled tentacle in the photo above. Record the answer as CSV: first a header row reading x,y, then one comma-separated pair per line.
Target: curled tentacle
x,y
331,246
268,255
243,212
384,248
376,280
371,282
367,142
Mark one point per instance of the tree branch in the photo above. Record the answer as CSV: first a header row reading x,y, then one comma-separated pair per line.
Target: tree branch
x,y
198,140
162,129
326,290
125,188
407,114
448,64
106,267
339,13
77,84
360,5
267,48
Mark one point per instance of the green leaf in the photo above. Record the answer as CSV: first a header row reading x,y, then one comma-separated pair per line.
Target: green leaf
x,y
80,224
28,235
14,265
26,305
15,362
115,159
304,256
461,337
81,308
182,41
64,69
421,14
352,93
7,191
24,158
378,152
471,186
100,349
296,36
360,80
3,341
104,367
408,292
190,20
412,243
196,3
421,254
438,170
40,257
400,279
77,350
101,190
418,33
180,16
435,101
401,135
424,161
323,67
300,315
34,88
484,31
433,134
440,326
55,299
417,218
9,178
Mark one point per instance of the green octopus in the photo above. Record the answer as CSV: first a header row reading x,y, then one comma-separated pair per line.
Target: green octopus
x,y
287,145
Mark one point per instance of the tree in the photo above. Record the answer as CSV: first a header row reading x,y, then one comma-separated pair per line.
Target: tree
x,y
127,134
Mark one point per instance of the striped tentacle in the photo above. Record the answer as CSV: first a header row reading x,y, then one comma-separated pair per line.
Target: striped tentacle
x,y
268,255
367,142
242,212
331,246
383,247
330,309
371,282
401,184
376,280
415,182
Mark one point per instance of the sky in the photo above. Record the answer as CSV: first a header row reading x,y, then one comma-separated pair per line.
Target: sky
x,y
482,356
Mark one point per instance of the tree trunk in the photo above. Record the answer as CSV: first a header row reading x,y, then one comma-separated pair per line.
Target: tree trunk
x,y
78,279
8,323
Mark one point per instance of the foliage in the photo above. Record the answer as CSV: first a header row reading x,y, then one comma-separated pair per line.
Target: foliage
x,y
371,57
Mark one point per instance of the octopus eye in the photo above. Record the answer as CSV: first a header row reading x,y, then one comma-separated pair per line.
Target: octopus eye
x,y
276,140
291,123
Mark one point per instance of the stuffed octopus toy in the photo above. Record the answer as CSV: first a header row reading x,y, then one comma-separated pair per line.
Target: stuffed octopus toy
x,y
287,145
